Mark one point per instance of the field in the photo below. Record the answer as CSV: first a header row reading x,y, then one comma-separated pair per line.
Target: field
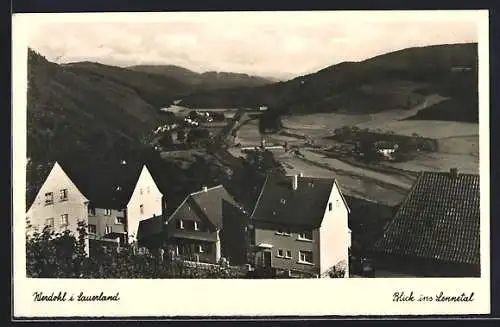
x,y
458,146
354,181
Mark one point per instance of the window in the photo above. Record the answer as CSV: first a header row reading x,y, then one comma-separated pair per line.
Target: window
x,y
64,219
49,198
141,191
306,236
147,189
283,201
305,257
288,254
91,211
92,229
279,253
107,212
283,231
330,206
108,229
141,208
50,222
180,224
63,194
201,248
196,227
120,220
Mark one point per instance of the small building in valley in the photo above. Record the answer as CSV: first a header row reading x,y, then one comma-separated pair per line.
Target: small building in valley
x,y
435,232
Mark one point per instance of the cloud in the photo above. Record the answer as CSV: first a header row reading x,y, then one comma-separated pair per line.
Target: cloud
x,y
267,43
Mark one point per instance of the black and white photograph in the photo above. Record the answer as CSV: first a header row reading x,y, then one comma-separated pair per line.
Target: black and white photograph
x,y
341,148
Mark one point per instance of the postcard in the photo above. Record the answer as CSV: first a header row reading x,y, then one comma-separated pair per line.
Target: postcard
x,y
246,164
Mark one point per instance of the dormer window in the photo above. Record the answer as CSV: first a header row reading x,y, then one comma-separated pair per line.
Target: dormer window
x,y
107,212
283,201
123,162
330,207
141,208
118,188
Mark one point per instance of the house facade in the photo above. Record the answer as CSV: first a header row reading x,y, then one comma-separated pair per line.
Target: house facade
x,y
111,201
300,226
436,230
59,204
207,226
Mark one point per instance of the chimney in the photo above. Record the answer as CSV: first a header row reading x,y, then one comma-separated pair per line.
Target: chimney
x,y
295,182
204,188
453,173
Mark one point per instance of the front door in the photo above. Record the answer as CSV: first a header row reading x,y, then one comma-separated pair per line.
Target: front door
x,y
267,259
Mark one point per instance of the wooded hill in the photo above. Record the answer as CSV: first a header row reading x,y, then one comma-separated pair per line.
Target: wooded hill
x,y
396,80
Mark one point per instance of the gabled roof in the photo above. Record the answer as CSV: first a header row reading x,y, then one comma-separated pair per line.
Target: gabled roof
x,y
438,220
279,203
107,185
207,204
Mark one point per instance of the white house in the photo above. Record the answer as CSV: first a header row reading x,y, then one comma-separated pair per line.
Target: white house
x,y
300,225
110,200
58,204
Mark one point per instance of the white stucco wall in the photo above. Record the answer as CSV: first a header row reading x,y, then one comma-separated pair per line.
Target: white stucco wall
x,y
334,233
151,199
75,206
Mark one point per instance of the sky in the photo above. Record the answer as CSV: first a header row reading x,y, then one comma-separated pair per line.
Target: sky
x,y
273,44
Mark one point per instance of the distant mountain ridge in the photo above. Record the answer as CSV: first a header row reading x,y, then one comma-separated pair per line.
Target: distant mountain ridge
x,y
205,81
396,80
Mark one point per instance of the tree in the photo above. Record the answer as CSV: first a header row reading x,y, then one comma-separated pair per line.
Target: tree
x,y
181,135
51,255
196,135
218,116
193,114
166,140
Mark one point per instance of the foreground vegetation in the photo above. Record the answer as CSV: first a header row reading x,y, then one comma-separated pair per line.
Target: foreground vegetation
x,y
50,255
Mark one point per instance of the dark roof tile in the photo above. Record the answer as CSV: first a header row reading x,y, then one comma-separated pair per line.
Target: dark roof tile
x,y
439,219
279,203
107,185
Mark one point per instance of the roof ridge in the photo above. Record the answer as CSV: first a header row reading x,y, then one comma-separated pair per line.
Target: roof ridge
x,y
260,195
208,189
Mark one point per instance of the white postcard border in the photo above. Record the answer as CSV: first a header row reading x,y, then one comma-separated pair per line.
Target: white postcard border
x,y
315,297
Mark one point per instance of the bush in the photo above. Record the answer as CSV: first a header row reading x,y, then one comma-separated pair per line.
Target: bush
x,y
51,255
